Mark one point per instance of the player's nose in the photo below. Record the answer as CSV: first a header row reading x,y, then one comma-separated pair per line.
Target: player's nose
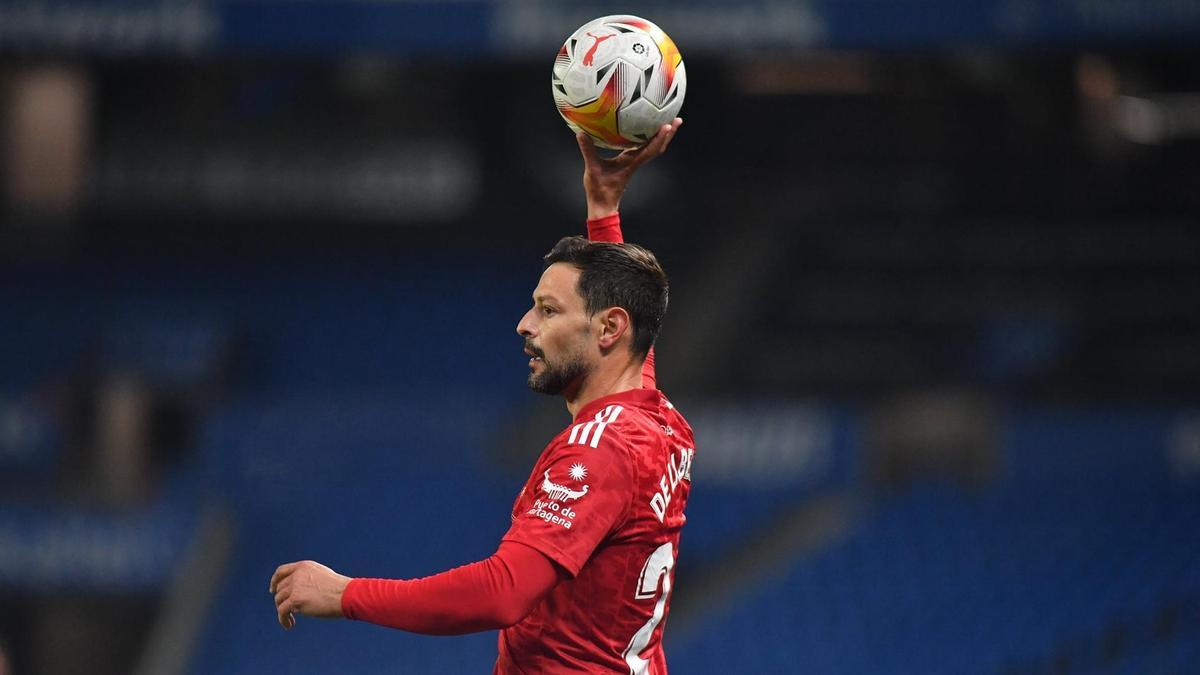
x,y
525,327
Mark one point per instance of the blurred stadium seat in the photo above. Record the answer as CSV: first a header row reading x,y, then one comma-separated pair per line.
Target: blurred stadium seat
x,y
1078,560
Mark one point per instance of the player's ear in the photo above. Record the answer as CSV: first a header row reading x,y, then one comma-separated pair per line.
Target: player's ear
x,y
612,323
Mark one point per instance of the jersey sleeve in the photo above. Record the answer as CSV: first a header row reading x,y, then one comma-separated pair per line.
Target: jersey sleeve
x,y
584,492
608,229
493,593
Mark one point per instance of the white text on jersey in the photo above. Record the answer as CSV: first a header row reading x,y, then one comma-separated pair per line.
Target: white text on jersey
x,y
677,470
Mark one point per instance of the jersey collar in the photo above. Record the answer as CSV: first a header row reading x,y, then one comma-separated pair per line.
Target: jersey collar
x,y
639,398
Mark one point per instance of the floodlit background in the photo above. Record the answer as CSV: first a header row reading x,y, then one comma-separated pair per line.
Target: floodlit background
x,y
935,319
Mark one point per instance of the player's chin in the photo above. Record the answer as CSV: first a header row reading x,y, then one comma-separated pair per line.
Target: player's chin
x,y
535,384
540,384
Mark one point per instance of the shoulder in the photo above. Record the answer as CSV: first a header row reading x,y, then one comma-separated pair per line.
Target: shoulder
x,y
676,420
615,426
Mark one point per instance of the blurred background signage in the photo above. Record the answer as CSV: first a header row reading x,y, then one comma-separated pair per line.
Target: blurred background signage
x,y
477,29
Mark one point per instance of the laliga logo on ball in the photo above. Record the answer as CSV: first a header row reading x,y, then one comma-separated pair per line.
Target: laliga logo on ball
x,y
618,79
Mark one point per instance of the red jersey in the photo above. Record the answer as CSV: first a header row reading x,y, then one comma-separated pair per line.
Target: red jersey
x,y
605,501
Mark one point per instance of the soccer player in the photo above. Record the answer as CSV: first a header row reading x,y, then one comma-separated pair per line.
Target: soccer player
x,y
581,582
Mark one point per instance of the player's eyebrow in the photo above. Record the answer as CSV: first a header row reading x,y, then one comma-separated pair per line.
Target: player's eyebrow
x,y
544,298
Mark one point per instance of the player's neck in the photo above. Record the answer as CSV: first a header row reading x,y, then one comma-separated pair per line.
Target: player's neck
x,y
604,382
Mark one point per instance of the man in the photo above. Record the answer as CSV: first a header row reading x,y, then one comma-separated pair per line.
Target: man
x,y
581,582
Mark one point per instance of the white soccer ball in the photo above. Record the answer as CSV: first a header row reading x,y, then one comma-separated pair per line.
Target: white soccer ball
x,y
618,78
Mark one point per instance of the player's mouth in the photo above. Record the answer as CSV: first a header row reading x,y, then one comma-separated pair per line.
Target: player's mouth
x,y
535,355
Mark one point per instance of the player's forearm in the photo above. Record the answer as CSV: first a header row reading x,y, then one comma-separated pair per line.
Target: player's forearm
x,y
597,210
463,600
490,594
406,604
603,195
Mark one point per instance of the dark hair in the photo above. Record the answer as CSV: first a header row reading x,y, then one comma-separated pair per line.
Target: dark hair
x,y
618,275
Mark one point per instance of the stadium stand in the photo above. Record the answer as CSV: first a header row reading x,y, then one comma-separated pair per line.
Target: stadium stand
x,y
1040,310
1079,559
381,486
946,225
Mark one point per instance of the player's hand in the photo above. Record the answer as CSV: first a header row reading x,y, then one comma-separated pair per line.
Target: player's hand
x,y
309,588
605,178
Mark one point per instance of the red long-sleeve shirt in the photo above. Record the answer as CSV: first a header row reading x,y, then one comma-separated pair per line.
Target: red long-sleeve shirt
x,y
536,585
490,594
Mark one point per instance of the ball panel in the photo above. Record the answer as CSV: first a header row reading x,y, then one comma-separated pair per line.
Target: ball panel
x,y
618,78
599,117
639,51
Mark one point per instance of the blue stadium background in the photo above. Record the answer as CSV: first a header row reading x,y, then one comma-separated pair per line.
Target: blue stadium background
x,y
935,275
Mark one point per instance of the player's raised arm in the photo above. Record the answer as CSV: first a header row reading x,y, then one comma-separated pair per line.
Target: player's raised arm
x,y
605,178
604,181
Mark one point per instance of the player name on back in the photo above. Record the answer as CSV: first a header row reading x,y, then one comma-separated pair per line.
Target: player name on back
x,y
677,470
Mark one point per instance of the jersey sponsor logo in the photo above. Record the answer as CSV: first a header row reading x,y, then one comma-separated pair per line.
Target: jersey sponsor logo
x,y
562,493
553,513
578,471
588,433
550,509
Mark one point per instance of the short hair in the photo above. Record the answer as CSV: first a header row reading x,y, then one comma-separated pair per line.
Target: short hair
x,y
618,275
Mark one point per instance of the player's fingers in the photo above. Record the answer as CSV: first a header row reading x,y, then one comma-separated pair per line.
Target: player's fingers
x,y
638,156
649,151
280,574
630,157
669,132
587,148
658,144
282,596
635,157
284,614
660,140
675,124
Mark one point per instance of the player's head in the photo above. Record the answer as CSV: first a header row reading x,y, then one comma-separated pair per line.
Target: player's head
x,y
594,300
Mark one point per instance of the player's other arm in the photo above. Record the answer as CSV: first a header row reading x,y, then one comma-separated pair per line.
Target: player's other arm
x,y
493,593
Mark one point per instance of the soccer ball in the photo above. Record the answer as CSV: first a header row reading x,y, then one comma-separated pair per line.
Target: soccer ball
x,y
618,78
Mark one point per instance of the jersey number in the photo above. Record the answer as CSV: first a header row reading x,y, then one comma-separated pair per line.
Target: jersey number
x,y
658,566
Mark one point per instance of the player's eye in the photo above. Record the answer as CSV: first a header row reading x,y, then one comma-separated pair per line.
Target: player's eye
x,y
548,311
